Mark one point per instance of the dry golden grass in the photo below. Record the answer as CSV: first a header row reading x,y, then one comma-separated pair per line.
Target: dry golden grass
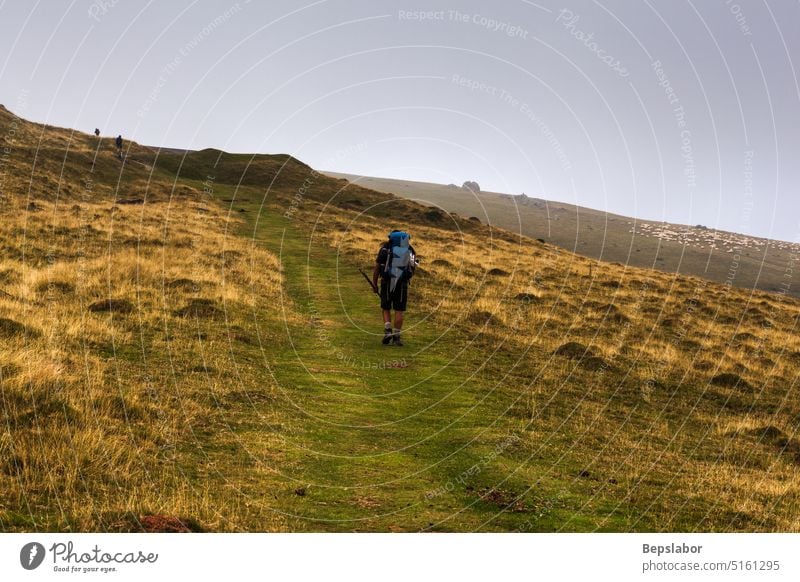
x,y
102,410
136,339
649,407
668,322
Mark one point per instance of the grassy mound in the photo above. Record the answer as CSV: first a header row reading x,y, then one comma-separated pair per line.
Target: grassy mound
x,y
248,392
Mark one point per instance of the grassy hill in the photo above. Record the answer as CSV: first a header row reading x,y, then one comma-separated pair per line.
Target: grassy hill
x,y
723,257
186,344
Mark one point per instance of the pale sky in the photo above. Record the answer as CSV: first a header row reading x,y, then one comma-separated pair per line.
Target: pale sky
x,y
671,110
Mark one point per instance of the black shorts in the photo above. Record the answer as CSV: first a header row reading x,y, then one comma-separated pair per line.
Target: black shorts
x,y
394,300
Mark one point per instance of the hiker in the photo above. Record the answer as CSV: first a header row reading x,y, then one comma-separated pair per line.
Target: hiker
x,y
395,266
96,132
118,141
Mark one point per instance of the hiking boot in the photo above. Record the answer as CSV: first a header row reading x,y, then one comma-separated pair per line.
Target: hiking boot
x,y
387,337
396,339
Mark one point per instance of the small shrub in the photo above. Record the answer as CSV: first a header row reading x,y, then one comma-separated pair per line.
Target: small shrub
x,y
594,363
482,318
201,308
573,351
112,306
433,215
729,380
10,328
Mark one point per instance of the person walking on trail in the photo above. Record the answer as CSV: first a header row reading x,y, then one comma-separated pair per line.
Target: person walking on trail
x,y
96,132
395,266
118,141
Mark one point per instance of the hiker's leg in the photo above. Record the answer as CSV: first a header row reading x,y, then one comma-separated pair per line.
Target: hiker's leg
x,y
400,305
386,302
388,334
398,326
399,311
386,307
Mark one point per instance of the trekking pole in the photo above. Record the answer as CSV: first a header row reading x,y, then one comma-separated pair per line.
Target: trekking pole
x,y
371,284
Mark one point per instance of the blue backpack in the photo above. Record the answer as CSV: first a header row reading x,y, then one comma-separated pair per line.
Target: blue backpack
x,y
400,261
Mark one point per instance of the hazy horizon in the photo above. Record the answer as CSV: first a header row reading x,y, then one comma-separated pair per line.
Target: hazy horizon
x,y
484,191
658,110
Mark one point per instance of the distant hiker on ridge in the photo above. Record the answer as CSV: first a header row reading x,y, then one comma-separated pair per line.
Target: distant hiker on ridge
x,y
96,132
118,141
395,266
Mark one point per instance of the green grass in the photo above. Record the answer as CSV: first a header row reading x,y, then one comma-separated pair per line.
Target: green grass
x,y
247,388
374,444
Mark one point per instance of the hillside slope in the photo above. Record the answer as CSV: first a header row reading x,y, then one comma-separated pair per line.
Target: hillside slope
x,y
186,343
723,257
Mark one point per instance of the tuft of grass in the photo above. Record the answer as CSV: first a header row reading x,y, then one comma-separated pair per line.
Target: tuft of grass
x,y
250,369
